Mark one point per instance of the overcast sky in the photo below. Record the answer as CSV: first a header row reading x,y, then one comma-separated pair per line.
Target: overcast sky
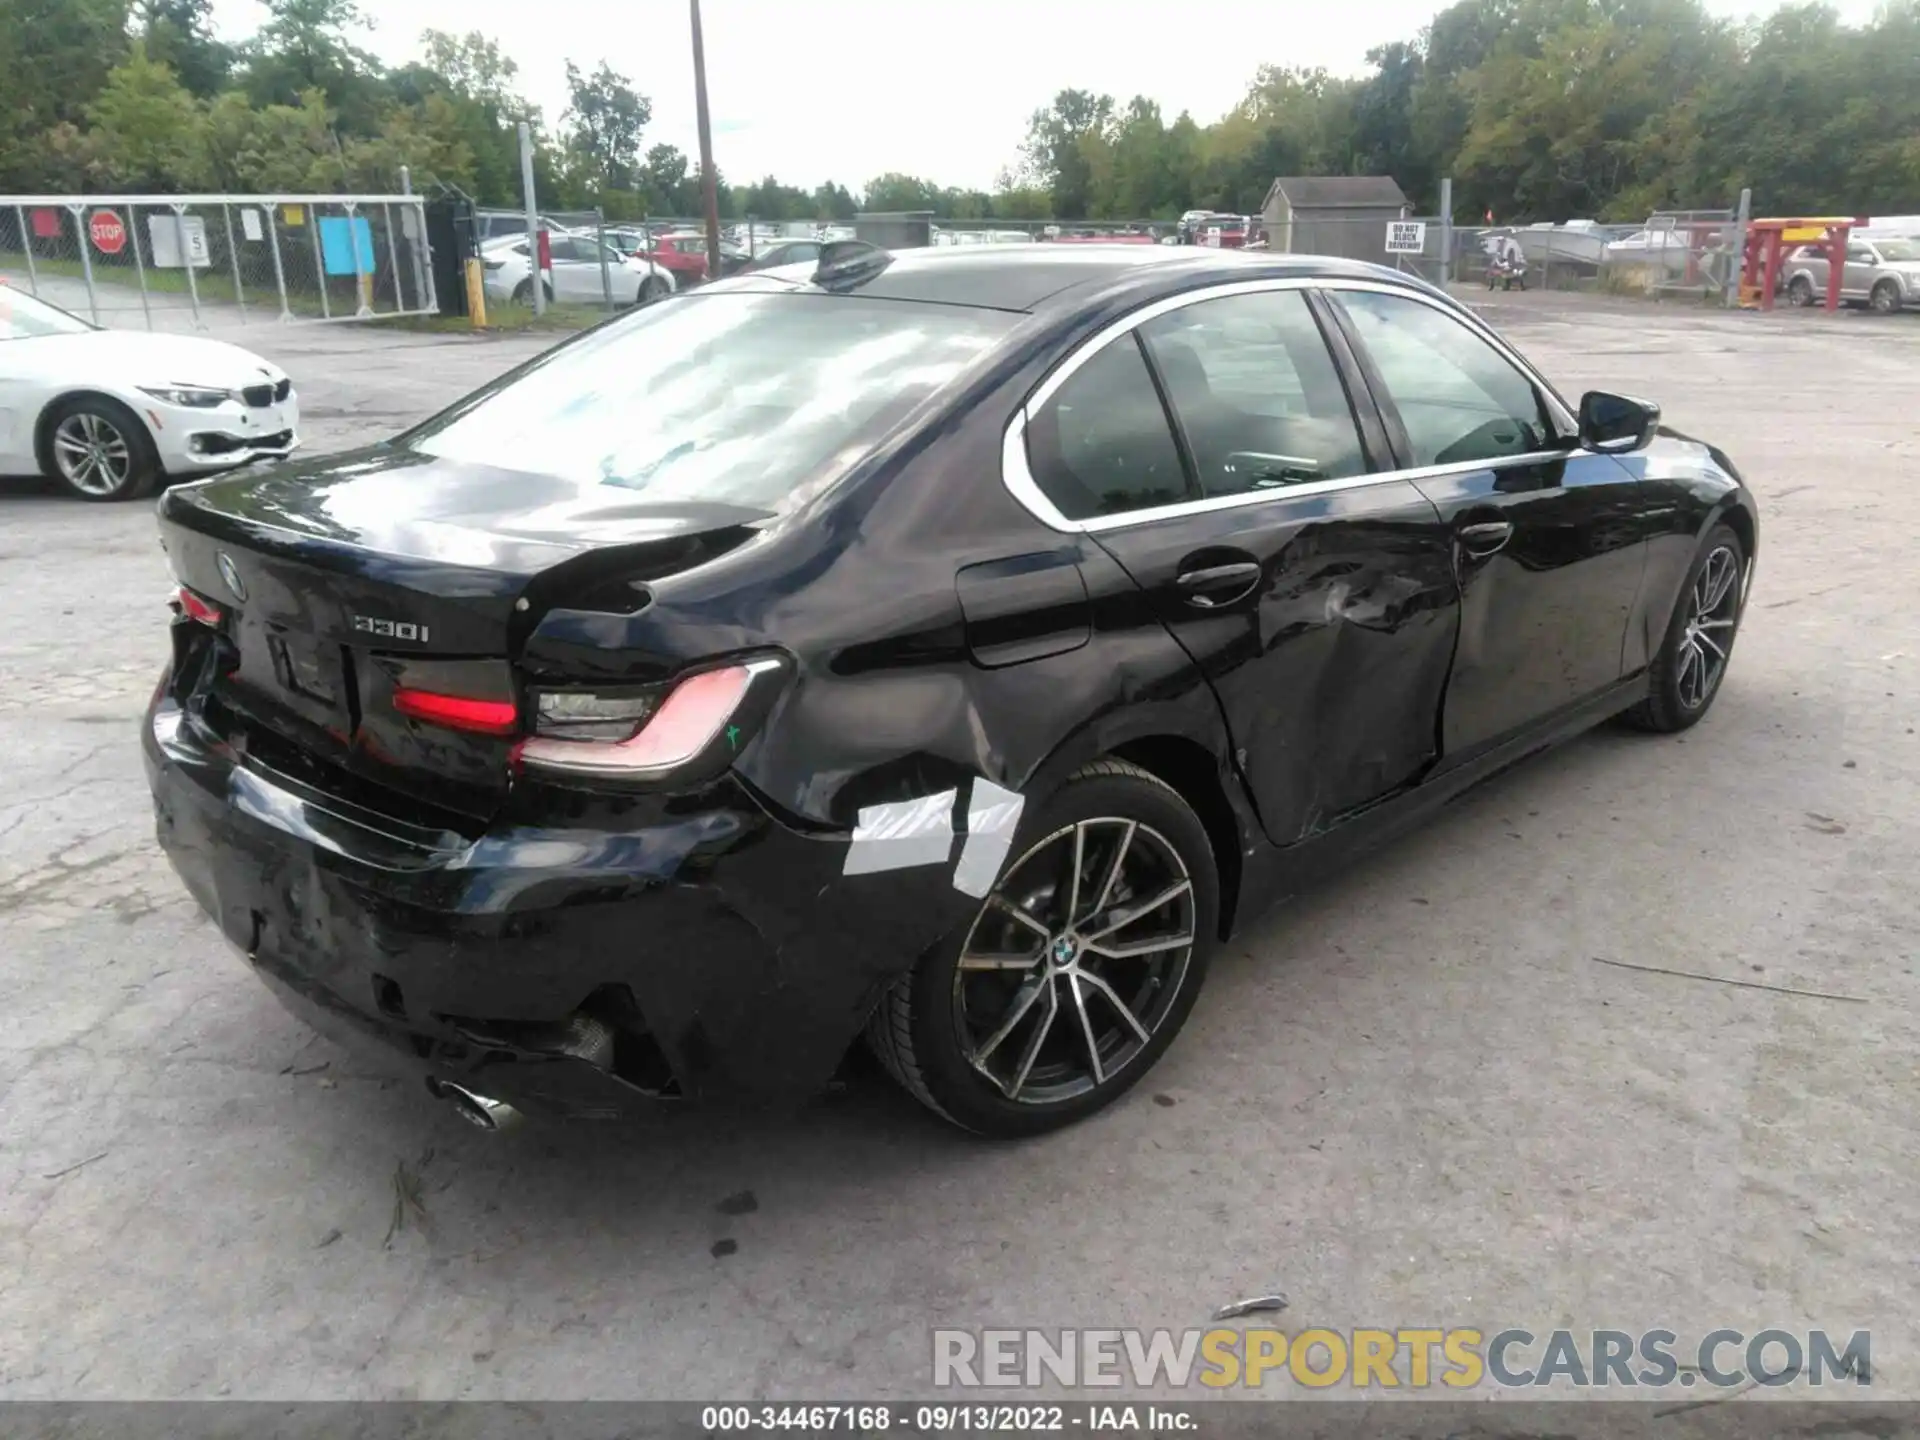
x,y
815,90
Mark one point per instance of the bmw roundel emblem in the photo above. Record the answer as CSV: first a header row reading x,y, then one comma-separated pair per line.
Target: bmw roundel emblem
x,y
230,573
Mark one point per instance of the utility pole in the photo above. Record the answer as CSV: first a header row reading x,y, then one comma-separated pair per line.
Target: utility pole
x,y
537,282
709,193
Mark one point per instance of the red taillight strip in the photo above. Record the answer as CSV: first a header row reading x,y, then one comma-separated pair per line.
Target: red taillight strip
x,y
458,712
196,608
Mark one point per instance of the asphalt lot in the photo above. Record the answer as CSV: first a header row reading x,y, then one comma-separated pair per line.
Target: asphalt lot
x,y
1415,1098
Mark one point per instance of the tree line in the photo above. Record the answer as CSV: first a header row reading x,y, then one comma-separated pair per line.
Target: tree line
x,y
1538,109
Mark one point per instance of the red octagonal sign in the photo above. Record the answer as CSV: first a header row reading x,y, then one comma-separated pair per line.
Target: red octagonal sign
x,y
107,232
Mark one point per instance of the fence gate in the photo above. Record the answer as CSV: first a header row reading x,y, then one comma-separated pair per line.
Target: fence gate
x,y
189,262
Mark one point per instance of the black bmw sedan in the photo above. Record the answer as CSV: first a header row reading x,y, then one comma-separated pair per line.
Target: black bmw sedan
x,y
947,648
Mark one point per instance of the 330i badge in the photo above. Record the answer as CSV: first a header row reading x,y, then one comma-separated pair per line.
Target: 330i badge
x,y
948,647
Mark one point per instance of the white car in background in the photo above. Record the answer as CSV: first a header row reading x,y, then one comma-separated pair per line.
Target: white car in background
x,y
576,276
109,414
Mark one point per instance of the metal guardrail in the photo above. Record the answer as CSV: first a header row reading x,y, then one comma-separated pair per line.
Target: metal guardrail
x,y
199,261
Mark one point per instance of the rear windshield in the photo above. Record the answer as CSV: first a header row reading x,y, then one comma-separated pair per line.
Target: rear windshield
x,y
742,399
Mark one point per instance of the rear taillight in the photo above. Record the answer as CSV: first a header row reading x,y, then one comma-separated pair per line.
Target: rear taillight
x,y
198,607
458,712
575,731
590,715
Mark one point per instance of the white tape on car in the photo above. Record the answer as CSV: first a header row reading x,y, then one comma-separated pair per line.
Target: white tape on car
x,y
901,834
992,816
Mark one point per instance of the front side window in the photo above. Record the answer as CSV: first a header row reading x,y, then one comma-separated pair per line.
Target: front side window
x,y
1102,444
1256,392
22,317
750,400
1459,399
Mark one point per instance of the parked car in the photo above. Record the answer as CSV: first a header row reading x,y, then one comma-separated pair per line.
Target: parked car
x,y
951,648
627,239
109,414
492,225
1880,272
577,275
1109,237
683,254
796,252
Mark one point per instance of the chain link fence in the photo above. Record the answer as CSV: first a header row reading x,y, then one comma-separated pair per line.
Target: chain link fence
x,y
174,262
1677,253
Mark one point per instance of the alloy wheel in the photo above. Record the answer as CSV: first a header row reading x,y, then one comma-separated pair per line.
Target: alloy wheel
x,y
92,454
1713,610
1075,961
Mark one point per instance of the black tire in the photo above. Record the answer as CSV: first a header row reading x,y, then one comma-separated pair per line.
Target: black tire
x,y
651,289
1884,298
1800,291
1672,704
122,444
919,1030
523,292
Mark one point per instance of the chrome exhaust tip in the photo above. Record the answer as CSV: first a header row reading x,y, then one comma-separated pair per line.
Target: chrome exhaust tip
x,y
482,1110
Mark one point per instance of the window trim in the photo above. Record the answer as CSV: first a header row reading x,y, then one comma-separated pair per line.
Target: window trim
x,y
1018,479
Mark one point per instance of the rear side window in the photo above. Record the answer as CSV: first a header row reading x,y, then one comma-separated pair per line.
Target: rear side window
x,y
1459,399
750,400
1256,391
1102,445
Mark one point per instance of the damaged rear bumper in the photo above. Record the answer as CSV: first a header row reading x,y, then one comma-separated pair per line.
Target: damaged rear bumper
x,y
701,950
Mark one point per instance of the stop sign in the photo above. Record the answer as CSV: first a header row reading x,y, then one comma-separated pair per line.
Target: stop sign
x,y
107,232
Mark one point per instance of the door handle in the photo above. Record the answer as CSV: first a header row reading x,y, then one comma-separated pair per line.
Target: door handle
x,y
1483,537
1217,585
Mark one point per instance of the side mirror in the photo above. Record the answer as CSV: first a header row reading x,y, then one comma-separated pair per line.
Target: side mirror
x,y
1616,424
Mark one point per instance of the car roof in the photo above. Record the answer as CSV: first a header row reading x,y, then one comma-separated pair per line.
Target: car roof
x,y
1041,277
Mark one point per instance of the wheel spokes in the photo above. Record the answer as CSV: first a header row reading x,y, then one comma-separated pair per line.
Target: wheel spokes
x,y
1140,911
1022,1003
1073,880
1098,892
1135,949
1113,870
1032,1052
1119,1005
1019,914
1692,663
999,960
1716,580
1086,1029
92,453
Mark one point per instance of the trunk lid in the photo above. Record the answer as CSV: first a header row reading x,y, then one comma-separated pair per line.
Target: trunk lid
x,y
345,581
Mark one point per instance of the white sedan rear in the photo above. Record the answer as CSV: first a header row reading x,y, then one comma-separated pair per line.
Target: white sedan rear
x,y
110,413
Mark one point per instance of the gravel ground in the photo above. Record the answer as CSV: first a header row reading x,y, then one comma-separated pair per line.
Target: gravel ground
x,y
1415,1098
